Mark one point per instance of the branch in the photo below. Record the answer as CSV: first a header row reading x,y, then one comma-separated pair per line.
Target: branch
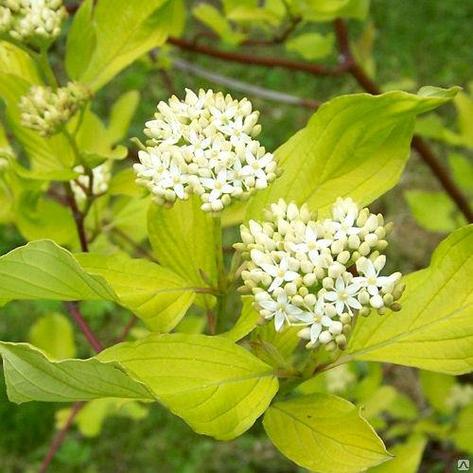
x,y
77,406
250,89
74,311
315,69
423,149
127,329
443,176
78,217
60,437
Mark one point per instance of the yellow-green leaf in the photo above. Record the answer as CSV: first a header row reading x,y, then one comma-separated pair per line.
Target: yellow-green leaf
x,y
327,10
324,433
156,294
311,46
122,32
434,211
436,387
434,329
31,376
354,145
213,18
121,115
53,333
44,270
92,416
183,240
216,386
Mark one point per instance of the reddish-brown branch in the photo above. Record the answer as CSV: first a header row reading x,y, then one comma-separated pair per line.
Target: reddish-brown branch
x,y
60,436
443,177
315,69
77,406
127,329
74,311
78,217
423,149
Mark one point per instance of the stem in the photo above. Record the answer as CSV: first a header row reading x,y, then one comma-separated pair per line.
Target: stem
x,y
78,216
48,73
443,176
126,330
79,120
221,279
217,228
315,69
60,437
73,144
339,361
73,309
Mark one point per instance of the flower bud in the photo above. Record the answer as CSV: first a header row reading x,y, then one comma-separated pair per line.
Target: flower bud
x,y
354,242
327,283
309,279
343,257
341,342
325,337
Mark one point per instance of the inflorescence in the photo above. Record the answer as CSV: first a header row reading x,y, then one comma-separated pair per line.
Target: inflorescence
x,y
204,145
318,274
46,110
35,22
100,176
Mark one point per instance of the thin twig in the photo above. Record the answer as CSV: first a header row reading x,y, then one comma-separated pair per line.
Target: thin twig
x,y
78,217
75,313
60,437
315,69
126,330
250,89
443,176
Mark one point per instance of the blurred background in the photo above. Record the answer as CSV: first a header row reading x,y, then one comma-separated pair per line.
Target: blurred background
x,y
406,44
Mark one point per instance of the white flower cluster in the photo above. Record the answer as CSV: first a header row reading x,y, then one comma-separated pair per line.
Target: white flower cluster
x,y
46,110
204,145
100,175
36,22
318,274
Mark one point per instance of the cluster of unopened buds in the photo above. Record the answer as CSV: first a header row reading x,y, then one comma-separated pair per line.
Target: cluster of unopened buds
x,y
46,110
35,22
81,186
318,274
204,145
